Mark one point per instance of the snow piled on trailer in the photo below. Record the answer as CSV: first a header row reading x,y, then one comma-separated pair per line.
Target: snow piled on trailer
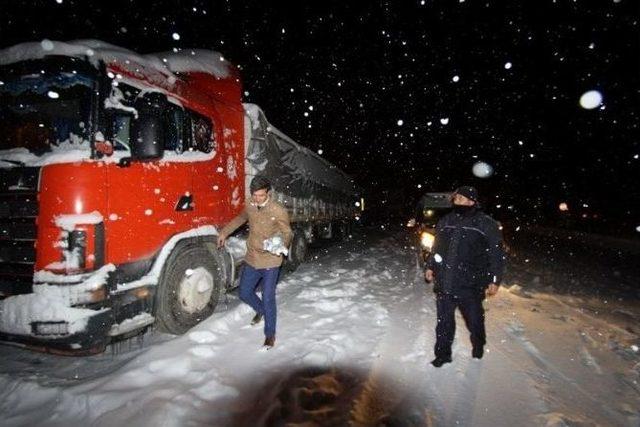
x,y
294,168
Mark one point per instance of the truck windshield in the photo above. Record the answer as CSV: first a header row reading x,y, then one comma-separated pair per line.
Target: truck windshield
x,y
44,111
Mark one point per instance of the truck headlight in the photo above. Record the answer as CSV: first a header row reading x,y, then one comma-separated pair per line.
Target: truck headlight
x,y
426,240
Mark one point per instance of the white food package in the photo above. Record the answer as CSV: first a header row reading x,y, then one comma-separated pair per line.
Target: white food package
x,y
275,245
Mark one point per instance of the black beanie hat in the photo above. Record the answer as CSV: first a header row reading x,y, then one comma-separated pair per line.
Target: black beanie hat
x,y
467,191
259,183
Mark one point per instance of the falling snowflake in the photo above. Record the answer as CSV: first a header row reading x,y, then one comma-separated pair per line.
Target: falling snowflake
x,y
482,170
591,99
46,44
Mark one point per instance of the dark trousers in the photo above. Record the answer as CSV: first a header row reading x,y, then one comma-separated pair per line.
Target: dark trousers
x,y
473,314
266,306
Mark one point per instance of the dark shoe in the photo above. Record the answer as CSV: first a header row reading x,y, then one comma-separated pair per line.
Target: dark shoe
x,y
269,342
477,352
439,361
256,319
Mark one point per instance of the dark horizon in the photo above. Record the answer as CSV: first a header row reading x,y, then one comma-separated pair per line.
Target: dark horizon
x,y
508,76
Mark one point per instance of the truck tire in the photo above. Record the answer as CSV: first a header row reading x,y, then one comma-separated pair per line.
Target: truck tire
x,y
298,252
189,288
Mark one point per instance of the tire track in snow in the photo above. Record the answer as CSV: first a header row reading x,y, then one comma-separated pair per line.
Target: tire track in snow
x,y
517,332
388,384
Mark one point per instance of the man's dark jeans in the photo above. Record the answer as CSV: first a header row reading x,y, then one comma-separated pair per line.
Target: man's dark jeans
x,y
473,314
266,306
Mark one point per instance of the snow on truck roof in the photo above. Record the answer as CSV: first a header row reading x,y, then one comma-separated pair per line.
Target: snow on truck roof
x,y
167,63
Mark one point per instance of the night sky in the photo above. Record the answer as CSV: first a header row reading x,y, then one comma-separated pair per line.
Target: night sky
x,y
369,84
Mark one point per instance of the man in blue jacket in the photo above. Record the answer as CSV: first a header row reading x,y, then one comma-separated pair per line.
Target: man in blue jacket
x,y
466,263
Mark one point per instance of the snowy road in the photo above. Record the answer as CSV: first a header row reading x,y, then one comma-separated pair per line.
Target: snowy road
x,y
355,337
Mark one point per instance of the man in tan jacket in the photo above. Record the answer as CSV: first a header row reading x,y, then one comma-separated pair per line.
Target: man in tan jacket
x,y
268,224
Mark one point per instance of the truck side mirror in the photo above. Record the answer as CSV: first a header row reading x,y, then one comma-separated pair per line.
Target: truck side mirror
x,y
148,129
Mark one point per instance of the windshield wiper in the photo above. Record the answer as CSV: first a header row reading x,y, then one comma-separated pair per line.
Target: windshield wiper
x,y
14,162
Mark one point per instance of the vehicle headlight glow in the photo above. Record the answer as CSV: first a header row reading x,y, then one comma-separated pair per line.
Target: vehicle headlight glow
x,y
426,240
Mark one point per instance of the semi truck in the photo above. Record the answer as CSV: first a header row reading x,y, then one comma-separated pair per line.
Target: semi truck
x,y
116,171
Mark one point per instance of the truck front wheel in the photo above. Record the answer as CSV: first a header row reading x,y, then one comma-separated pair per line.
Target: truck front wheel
x,y
189,288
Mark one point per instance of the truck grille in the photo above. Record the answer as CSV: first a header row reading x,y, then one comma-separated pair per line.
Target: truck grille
x,y
18,213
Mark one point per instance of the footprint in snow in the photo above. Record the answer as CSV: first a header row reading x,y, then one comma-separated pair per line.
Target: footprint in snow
x,y
329,281
319,356
322,322
175,367
202,337
412,357
515,328
202,352
212,390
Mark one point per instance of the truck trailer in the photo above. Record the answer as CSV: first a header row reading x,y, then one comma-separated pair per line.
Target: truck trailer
x,y
116,171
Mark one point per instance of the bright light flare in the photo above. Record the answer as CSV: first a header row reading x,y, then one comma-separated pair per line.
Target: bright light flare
x,y
427,239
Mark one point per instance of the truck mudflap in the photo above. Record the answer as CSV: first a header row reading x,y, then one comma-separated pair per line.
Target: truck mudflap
x,y
56,317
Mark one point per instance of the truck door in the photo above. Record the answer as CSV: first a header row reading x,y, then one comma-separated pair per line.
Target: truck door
x,y
148,202
210,187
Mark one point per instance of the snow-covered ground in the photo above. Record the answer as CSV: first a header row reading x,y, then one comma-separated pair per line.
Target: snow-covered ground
x,y
355,337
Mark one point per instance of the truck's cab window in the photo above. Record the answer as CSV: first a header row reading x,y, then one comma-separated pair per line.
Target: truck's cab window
x,y
174,129
120,104
202,136
122,132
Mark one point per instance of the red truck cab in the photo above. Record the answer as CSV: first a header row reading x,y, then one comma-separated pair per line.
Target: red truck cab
x,y
115,171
